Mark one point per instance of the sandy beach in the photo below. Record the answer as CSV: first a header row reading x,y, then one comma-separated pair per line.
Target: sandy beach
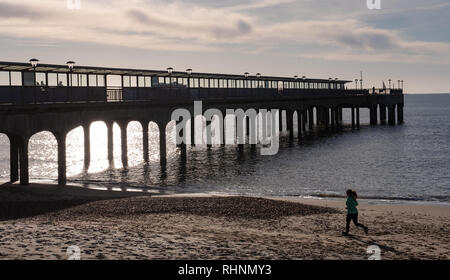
x,y
42,221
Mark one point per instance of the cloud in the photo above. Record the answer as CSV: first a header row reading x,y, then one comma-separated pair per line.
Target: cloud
x,y
198,27
10,10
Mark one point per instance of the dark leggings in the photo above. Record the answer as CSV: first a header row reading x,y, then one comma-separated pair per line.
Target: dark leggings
x,y
353,217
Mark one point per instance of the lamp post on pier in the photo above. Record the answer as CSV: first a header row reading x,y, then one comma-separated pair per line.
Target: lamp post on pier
x,y
246,81
70,64
34,62
189,73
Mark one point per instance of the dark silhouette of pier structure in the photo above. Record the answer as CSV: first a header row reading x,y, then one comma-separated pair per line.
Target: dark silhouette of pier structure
x,y
58,98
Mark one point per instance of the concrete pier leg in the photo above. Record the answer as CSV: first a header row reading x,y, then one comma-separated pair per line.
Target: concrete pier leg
x,y
400,113
124,143
280,119
338,121
300,120
23,156
182,146
333,119
223,132
341,115
109,128
290,123
193,131
209,129
14,159
327,118
87,146
311,118
145,147
353,118
373,115
304,119
162,144
318,115
358,126
391,115
382,114
62,179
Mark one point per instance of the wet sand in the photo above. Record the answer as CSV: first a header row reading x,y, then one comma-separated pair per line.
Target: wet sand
x,y
42,221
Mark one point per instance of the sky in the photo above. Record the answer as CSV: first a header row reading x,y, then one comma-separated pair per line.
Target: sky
x,y
404,40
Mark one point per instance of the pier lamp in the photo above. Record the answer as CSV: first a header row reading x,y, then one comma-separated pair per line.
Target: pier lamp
x,y
356,83
189,72
170,71
34,62
258,75
389,83
402,84
361,83
246,76
398,84
70,64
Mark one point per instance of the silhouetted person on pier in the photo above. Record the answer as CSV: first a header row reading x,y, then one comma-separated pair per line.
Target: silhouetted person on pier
x,y
352,212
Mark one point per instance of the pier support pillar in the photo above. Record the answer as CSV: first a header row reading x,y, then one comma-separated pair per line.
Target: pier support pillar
x,y
333,118
162,143
304,115
373,115
311,118
182,146
319,115
358,126
209,131
110,140
290,123
192,130
391,114
353,118
338,120
300,122
13,159
23,156
145,148
223,128
400,113
124,142
341,115
382,114
327,118
62,179
87,146
280,119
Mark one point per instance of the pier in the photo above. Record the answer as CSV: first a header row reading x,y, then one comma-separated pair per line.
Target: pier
x,y
59,98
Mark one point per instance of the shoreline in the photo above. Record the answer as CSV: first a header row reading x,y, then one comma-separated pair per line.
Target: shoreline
x,y
118,225
154,191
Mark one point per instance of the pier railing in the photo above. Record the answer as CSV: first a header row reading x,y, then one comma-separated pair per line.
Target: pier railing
x,y
20,95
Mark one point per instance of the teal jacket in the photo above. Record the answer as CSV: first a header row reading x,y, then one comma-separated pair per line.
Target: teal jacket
x,y
351,206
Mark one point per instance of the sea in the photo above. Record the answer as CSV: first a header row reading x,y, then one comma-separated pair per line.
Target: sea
x,y
407,163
